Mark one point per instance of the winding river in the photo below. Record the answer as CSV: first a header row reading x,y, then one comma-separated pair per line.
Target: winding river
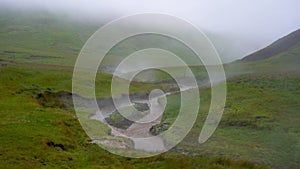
x,y
137,130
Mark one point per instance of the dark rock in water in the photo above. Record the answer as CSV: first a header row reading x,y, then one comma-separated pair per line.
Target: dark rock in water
x,y
117,120
159,128
141,106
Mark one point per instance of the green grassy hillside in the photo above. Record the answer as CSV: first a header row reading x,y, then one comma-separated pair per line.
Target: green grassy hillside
x,y
280,46
259,129
57,39
34,135
262,112
260,122
42,37
282,55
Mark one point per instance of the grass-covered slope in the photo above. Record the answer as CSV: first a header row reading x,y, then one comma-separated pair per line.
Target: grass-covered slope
x,y
44,37
280,46
260,122
33,135
38,36
262,112
282,56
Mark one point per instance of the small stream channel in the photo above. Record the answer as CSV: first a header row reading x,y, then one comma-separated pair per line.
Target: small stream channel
x,y
137,131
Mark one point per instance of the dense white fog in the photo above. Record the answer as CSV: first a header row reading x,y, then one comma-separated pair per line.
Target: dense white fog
x,y
244,25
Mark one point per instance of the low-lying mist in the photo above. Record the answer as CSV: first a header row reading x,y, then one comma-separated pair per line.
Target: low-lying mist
x,y
236,28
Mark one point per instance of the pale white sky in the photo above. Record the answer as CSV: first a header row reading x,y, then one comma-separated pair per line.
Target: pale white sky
x,y
254,23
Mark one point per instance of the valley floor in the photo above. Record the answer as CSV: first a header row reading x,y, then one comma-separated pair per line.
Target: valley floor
x,y
49,136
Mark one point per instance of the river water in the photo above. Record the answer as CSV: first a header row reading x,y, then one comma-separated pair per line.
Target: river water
x,y
138,131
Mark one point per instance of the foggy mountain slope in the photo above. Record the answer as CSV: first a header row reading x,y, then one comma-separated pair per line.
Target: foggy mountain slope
x,y
53,38
281,56
282,45
41,36
45,37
